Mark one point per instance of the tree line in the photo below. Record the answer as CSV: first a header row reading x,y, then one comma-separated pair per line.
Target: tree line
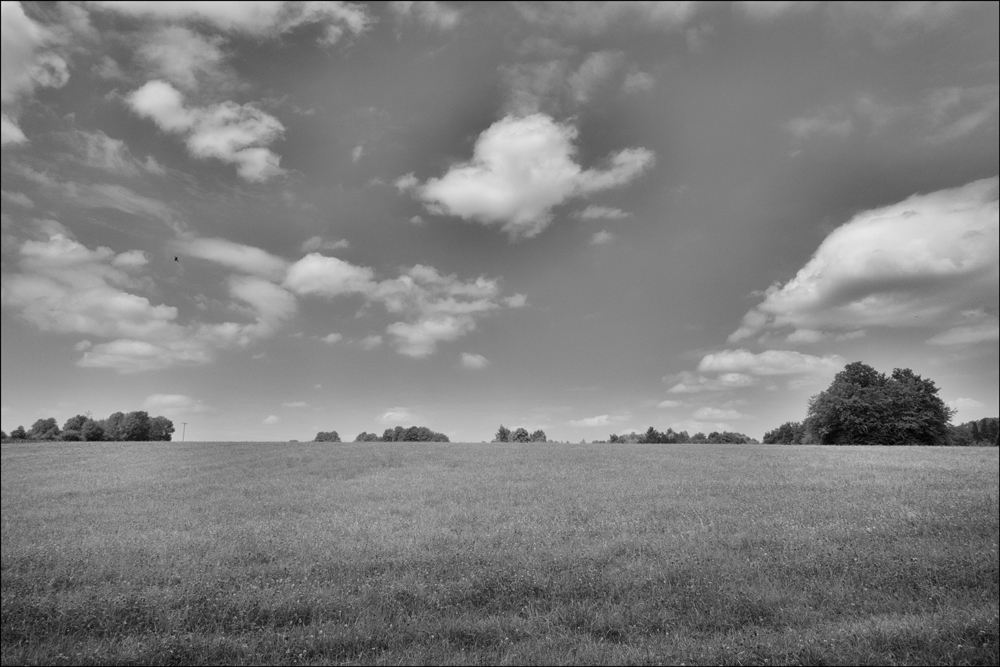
x,y
865,407
669,437
397,434
135,426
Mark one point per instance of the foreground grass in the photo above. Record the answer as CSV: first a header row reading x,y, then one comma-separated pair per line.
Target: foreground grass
x,y
384,553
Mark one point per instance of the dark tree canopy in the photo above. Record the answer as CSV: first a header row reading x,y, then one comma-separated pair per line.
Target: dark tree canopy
x,y
789,433
327,436
865,407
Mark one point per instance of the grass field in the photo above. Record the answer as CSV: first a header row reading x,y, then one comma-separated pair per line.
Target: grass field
x,y
388,553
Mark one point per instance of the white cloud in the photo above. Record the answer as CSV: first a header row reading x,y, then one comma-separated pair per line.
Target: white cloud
x,y
271,419
594,72
520,169
686,382
255,19
64,287
233,133
716,414
436,308
316,243
371,342
28,62
430,13
599,420
601,237
922,262
18,198
398,416
173,404
474,361
638,82
669,404
332,338
295,404
771,362
968,409
182,56
102,152
247,259
319,275
515,301
357,153
595,18
601,213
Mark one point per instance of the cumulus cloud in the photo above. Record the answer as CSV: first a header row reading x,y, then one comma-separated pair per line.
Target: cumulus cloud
x,y
332,338
398,415
234,133
520,169
173,404
771,362
599,420
371,342
271,419
920,263
182,56
686,382
716,414
638,82
247,259
430,13
28,62
601,237
437,308
595,18
254,19
474,362
62,286
601,213
669,404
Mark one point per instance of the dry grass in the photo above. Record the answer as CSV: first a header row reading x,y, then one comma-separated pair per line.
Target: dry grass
x,y
385,553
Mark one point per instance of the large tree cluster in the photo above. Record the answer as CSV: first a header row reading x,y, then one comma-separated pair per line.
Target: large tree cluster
x,y
401,434
519,434
135,426
865,407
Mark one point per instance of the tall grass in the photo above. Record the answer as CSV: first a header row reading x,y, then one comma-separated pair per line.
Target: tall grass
x,y
386,553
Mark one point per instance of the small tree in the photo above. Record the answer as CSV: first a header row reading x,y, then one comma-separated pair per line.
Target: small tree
x,y
503,434
44,429
327,436
161,429
539,436
91,431
19,434
520,435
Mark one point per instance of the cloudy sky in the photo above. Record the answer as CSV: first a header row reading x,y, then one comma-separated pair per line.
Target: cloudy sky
x,y
585,217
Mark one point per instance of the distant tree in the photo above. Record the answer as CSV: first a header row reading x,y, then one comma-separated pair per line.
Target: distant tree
x,y
865,407
789,433
74,423
91,431
112,426
365,436
44,429
70,435
161,429
397,434
698,438
327,436
135,427
503,434
539,436
19,434
520,434
975,433
3,435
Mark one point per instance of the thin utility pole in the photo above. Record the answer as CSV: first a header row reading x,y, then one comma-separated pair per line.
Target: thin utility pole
x,y
183,430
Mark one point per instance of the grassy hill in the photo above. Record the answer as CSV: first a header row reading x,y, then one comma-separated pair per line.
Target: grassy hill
x,y
312,553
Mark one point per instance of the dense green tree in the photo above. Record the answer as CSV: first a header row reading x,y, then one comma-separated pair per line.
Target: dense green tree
x,y
365,436
539,436
327,436
3,435
92,431
503,434
161,429
112,426
74,423
135,427
520,434
865,407
789,433
19,434
44,429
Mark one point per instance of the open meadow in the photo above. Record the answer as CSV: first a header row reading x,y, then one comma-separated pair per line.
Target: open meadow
x,y
391,553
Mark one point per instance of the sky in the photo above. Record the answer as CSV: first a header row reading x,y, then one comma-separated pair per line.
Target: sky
x,y
265,220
